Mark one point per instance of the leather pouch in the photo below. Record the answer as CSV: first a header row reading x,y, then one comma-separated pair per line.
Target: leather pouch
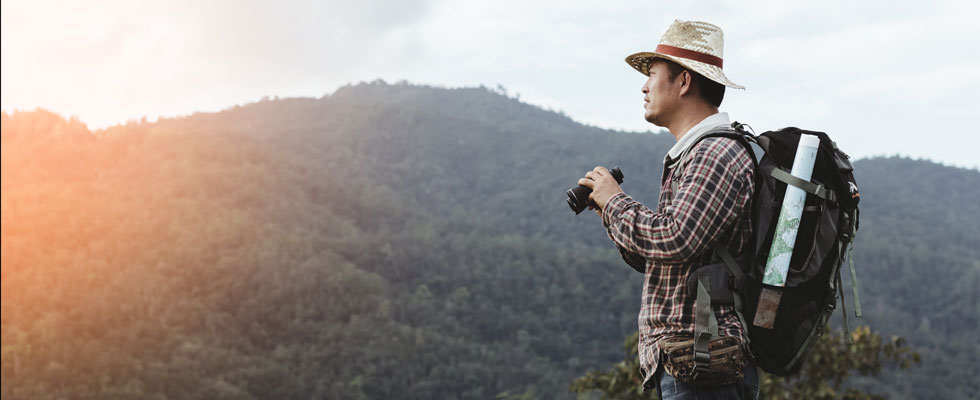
x,y
726,365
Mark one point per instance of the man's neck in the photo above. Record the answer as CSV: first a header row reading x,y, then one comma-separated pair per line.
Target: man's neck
x,y
688,120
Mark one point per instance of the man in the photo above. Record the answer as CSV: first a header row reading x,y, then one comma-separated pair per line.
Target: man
x,y
705,199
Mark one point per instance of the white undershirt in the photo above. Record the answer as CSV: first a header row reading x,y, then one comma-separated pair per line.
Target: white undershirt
x,y
692,135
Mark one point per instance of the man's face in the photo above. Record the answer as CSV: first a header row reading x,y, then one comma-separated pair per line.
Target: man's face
x,y
660,94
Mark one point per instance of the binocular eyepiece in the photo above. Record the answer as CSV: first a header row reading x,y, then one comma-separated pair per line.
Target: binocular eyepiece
x,y
578,197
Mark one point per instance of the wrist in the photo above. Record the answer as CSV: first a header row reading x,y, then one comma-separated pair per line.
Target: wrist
x,y
613,204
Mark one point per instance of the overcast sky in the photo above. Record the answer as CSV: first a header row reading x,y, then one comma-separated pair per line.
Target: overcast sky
x,y
881,77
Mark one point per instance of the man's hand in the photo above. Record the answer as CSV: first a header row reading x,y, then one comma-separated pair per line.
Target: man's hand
x,y
603,187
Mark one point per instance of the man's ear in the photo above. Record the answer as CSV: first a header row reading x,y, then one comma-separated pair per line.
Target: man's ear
x,y
686,81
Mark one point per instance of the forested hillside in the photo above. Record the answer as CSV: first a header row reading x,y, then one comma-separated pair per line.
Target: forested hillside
x,y
389,241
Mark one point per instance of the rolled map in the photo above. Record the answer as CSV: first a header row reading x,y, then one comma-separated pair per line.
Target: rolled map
x,y
777,265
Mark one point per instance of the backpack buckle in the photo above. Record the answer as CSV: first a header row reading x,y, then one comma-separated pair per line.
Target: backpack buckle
x,y
702,361
702,357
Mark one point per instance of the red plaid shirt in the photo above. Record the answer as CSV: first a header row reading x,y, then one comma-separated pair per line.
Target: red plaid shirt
x,y
712,204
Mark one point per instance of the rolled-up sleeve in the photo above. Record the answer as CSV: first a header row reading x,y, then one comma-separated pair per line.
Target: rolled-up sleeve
x,y
714,189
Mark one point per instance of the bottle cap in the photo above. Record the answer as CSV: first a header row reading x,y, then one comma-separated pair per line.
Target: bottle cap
x,y
809,141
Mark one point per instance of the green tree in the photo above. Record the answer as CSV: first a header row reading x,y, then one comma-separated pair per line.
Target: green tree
x,y
823,377
216,256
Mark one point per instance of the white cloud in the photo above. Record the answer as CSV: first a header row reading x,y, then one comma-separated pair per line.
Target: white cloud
x,y
876,74
114,60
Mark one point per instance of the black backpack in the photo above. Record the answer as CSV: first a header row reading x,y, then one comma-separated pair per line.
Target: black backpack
x,y
826,233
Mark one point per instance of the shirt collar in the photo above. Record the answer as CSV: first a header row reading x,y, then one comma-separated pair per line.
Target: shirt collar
x,y
692,135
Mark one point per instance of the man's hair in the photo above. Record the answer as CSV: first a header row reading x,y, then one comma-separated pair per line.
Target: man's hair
x,y
711,91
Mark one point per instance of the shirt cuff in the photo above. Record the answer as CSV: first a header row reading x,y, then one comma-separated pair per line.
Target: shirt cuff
x,y
616,204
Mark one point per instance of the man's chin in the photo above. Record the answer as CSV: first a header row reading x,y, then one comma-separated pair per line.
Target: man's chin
x,y
652,119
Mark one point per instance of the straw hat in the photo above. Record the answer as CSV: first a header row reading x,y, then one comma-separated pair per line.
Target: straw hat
x,y
696,45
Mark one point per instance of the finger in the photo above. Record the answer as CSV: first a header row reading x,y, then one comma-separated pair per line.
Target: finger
x,y
586,182
601,170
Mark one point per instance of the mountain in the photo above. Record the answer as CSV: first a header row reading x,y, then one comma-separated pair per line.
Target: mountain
x,y
389,241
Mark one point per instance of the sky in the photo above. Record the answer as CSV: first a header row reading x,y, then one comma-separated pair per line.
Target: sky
x,y
882,78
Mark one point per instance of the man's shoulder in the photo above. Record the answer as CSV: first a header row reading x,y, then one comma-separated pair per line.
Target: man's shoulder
x,y
720,148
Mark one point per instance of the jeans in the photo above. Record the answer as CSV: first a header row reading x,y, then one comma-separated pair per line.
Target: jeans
x,y
670,389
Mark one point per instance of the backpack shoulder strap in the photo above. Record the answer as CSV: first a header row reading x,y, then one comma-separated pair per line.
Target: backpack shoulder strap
x,y
735,131
705,323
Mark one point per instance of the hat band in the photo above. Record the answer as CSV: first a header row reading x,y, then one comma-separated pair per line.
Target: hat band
x,y
689,54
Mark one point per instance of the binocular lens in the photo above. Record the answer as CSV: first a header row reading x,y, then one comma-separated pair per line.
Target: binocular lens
x,y
578,197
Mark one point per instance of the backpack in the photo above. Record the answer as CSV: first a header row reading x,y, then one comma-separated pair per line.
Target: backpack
x,y
825,238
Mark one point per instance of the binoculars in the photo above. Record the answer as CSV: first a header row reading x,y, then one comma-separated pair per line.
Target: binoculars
x,y
578,197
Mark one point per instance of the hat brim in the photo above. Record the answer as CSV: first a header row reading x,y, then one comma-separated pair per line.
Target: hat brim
x,y
641,62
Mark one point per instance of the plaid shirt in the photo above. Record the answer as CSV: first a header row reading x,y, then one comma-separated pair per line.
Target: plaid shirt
x,y
712,204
